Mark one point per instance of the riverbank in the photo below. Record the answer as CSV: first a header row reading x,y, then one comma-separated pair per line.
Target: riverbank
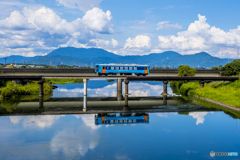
x,y
10,89
63,80
224,92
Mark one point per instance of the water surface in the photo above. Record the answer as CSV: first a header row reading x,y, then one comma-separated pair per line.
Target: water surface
x,y
167,135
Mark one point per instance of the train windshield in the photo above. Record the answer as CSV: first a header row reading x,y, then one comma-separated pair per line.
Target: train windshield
x,y
96,68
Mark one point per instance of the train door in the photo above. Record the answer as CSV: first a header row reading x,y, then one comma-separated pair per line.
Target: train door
x,y
103,69
146,70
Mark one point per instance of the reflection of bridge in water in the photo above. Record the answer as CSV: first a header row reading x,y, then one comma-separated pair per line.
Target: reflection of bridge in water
x,y
54,106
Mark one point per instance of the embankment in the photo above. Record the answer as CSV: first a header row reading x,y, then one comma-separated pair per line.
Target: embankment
x,y
226,94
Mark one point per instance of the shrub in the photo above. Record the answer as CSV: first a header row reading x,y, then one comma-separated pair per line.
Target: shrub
x,y
12,89
185,70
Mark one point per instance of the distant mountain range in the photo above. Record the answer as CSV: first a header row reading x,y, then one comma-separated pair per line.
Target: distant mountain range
x,y
92,56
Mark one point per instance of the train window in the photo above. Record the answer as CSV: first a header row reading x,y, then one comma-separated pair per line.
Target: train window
x,y
130,68
126,68
103,67
135,68
112,68
117,68
145,68
121,68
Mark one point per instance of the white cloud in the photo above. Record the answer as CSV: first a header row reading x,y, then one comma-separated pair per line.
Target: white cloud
x,y
81,4
200,36
99,21
16,21
166,25
105,44
199,116
74,43
37,31
140,41
74,141
33,121
114,42
88,120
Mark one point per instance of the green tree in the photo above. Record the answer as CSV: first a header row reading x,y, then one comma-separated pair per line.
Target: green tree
x,y
185,70
214,68
231,69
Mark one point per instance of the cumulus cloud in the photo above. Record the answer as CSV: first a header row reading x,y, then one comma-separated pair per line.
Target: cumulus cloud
x,y
80,4
38,30
88,120
166,25
101,43
140,41
199,116
99,21
35,121
74,141
200,36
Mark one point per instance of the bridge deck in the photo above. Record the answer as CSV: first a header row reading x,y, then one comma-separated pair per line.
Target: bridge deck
x,y
177,78
130,78
91,72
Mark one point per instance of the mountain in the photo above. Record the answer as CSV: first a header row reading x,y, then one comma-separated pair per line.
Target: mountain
x,y
153,58
91,56
82,53
17,59
58,60
201,59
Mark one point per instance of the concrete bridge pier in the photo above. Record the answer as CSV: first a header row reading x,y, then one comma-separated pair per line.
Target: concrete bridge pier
x,y
41,82
85,95
164,88
40,102
164,99
119,89
201,84
126,93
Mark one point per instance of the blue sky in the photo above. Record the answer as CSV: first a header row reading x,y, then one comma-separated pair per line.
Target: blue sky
x,y
124,27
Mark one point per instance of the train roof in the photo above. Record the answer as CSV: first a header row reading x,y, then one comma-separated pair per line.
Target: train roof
x,y
123,64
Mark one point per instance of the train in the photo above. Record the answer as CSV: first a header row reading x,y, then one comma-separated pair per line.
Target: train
x,y
122,69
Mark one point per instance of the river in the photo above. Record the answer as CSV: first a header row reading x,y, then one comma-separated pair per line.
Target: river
x,y
177,129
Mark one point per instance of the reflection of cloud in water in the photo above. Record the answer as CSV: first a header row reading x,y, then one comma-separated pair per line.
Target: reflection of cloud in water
x,y
135,89
119,157
199,116
41,121
88,119
78,140
165,114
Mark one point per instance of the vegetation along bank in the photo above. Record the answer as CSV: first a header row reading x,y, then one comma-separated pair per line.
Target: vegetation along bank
x,y
9,89
224,92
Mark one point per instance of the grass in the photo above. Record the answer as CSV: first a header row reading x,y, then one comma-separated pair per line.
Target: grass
x,y
63,80
11,89
225,92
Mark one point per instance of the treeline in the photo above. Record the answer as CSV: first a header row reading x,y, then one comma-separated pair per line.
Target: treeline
x,y
230,69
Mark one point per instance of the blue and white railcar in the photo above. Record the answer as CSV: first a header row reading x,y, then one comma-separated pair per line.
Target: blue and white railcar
x,y
122,69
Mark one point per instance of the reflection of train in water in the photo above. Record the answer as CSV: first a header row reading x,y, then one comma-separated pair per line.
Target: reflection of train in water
x,y
122,69
122,118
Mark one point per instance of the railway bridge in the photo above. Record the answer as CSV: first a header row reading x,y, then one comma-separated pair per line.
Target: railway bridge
x,y
120,79
91,72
